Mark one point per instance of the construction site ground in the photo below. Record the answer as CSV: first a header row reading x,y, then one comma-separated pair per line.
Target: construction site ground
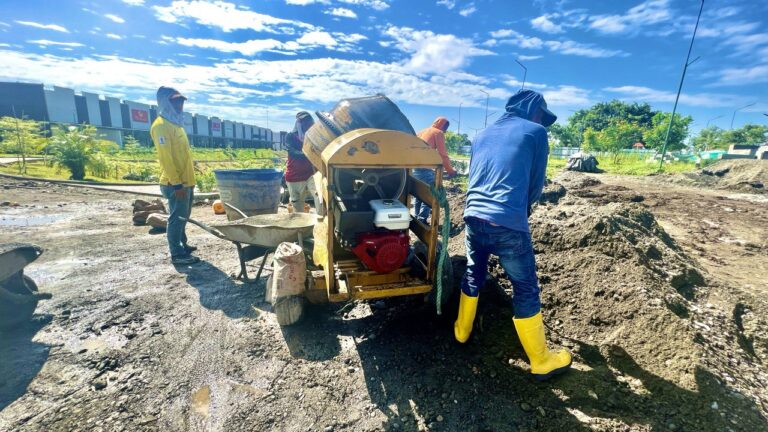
x,y
659,289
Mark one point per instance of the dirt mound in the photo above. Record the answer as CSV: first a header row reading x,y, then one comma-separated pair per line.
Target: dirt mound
x,y
743,175
613,279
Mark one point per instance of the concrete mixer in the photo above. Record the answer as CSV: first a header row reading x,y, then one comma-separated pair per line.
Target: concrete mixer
x,y
368,246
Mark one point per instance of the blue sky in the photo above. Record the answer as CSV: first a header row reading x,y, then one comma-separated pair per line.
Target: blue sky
x,y
249,61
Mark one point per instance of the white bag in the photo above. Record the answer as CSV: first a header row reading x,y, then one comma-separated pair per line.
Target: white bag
x,y
289,273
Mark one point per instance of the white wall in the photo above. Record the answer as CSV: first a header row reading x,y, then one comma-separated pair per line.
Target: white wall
x,y
61,105
114,112
94,113
139,115
202,125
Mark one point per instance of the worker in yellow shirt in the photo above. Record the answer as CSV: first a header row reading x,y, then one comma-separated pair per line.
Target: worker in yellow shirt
x,y
177,176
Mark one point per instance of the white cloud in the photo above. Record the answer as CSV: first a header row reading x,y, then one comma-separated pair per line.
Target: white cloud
x,y
583,50
469,10
647,13
226,16
744,76
341,12
564,47
373,4
45,42
544,24
434,53
567,96
316,81
248,48
306,2
529,57
54,27
450,4
133,2
646,94
317,38
114,36
114,18
502,33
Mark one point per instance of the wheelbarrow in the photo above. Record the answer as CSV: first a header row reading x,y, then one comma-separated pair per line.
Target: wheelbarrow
x,y
18,292
260,235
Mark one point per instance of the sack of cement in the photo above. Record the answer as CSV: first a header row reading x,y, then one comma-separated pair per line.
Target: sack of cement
x,y
286,286
582,162
157,220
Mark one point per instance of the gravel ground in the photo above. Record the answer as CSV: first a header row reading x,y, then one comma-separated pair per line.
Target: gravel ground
x,y
131,343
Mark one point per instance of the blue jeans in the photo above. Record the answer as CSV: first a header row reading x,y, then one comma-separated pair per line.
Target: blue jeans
x,y
421,209
515,252
177,208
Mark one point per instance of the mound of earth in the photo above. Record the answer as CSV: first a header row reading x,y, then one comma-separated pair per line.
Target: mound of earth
x,y
611,277
743,175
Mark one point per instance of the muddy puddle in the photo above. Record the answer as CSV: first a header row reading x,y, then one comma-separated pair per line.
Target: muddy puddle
x,y
22,221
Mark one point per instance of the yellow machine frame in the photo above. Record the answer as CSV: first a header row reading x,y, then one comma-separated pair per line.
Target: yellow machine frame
x,y
375,148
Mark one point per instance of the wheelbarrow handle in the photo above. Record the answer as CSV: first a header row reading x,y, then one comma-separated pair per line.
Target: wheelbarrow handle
x,y
208,228
240,212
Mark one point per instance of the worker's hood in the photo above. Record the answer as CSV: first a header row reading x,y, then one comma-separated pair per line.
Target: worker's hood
x,y
525,103
440,123
298,128
165,107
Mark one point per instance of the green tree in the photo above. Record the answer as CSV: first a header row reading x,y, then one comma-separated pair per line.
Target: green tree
x,y
604,114
614,138
747,134
74,148
454,142
564,136
21,137
710,138
655,135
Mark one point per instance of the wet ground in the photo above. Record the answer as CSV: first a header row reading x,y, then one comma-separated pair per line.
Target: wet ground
x,y
131,343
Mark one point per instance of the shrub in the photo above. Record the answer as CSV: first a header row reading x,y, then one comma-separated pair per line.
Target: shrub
x,y
74,148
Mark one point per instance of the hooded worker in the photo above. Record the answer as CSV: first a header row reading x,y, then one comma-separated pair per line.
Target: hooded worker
x,y
434,136
177,176
299,170
506,176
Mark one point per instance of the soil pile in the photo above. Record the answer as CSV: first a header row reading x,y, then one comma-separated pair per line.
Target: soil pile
x,y
617,290
743,175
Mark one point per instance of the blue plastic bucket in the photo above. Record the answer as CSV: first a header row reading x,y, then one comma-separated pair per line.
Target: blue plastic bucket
x,y
254,191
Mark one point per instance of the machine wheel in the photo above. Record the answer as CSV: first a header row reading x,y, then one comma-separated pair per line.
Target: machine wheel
x,y
370,183
13,314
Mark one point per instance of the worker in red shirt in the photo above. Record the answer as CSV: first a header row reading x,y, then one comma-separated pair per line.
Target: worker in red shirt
x,y
299,170
434,136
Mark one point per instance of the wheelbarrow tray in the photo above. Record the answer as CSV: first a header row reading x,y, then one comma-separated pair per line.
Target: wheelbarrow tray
x,y
267,230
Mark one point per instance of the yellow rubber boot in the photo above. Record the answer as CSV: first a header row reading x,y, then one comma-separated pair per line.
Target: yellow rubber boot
x,y
462,328
544,363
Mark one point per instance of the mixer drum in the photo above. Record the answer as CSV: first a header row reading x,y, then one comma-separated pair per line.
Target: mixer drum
x,y
377,112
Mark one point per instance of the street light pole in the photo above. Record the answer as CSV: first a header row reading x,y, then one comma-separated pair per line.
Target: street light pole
x,y
525,73
487,97
680,87
713,118
739,109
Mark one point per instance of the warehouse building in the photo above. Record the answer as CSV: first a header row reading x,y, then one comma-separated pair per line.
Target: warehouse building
x,y
116,119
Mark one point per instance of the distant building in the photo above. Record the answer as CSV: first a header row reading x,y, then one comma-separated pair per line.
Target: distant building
x,y
115,119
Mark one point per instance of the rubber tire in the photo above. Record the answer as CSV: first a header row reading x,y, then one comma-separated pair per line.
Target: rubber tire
x,y
12,314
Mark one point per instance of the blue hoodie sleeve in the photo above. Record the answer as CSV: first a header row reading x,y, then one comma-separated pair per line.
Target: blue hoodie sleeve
x,y
539,168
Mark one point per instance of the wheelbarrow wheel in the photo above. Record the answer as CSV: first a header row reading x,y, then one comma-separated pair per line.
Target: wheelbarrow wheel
x,y
12,314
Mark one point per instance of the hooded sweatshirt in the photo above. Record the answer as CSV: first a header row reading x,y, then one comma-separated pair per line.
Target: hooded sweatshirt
x,y
508,165
171,143
298,168
435,138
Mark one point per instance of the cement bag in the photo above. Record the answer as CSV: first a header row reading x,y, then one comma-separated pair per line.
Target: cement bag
x,y
286,286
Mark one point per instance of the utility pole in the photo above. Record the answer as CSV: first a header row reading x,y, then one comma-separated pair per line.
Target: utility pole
x,y
487,97
739,109
680,87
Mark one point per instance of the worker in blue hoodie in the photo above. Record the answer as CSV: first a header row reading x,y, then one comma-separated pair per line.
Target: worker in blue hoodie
x,y
506,176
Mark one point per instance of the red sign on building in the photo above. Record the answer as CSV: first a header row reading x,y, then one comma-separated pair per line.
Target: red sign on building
x,y
139,116
216,126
